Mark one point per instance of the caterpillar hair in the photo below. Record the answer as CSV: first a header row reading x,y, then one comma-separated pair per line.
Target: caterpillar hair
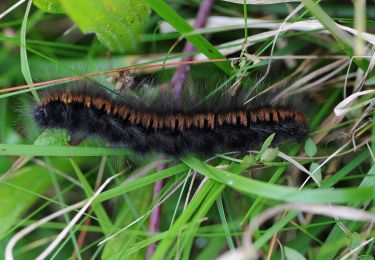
x,y
159,123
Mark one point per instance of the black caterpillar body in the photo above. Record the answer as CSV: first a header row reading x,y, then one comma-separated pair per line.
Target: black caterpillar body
x,y
168,128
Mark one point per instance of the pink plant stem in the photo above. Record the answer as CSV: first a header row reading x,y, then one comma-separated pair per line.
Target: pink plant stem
x,y
177,85
155,214
183,69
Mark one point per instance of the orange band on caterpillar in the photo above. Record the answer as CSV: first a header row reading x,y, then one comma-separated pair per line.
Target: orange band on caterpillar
x,y
175,121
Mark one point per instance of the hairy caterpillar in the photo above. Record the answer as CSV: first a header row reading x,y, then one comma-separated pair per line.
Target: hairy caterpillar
x,y
167,126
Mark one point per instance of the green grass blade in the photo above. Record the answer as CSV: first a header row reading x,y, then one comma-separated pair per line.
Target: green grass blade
x,y
23,54
343,38
278,192
164,245
199,42
53,150
149,179
329,249
104,220
220,208
286,219
196,210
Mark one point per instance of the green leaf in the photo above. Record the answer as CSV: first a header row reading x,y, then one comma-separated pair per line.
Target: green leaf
x,y
19,192
265,146
291,254
53,137
269,155
117,23
318,173
310,147
365,257
355,241
247,161
49,6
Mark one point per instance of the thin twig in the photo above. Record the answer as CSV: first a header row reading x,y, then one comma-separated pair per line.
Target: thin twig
x,y
132,68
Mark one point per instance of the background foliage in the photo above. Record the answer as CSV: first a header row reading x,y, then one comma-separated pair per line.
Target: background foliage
x,y
207,206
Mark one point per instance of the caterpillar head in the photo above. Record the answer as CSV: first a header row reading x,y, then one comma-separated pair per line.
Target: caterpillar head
x,y
47,116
